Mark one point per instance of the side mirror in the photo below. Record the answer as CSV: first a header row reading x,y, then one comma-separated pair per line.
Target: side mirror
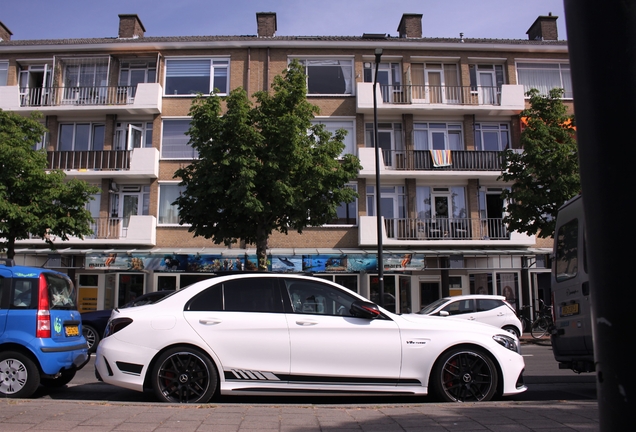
x,y
362,309
444,313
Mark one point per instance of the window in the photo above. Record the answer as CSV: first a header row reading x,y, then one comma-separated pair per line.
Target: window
x,y
347,281
567,257
392,201
431,200
390,141
329,76
318,298
438,136
132,135
389,78
196,75
488,304
492,136
169,213
134,72
174,143
460,307
81,137
347,214
545,76
4,72
333,125
240,295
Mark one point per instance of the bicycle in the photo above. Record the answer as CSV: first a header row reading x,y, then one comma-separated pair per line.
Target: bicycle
x,y
541,323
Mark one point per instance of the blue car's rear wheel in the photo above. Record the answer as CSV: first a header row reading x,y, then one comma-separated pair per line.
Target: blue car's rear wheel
x,y
19,375
184,375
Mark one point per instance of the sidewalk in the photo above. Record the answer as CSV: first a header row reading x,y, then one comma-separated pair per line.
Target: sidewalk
x,y
50,415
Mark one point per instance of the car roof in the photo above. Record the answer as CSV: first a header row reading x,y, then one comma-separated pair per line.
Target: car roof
x,y
476,296
26,271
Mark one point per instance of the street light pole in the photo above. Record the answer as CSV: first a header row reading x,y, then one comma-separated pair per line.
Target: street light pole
x,y
378,213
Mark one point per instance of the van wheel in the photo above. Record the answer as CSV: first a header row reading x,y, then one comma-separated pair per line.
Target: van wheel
x,y
19,375
464,375
65,377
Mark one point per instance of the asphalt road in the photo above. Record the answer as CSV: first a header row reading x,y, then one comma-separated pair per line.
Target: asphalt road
x,y
544,379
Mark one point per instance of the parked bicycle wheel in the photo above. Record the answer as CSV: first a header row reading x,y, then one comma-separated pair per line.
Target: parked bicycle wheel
x,y
540,328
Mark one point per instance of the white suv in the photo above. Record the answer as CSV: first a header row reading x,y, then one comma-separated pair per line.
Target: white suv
x,y
489,309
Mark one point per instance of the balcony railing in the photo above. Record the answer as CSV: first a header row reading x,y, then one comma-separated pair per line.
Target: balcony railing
x,y
104,160
447,229
57,96
448,95
460,160
109,228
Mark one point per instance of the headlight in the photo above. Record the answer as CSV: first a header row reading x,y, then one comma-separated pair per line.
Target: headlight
x,y
508,342
115,325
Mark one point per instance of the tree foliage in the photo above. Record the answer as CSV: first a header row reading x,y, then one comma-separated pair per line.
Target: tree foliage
x,y
34,202
262,167
546,173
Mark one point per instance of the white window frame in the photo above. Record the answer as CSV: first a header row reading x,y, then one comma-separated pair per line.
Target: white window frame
x,y
429,132
499,128
336,61
562,66
164,206
4,72
216,66
124,132
91,135
352,207
193,154
332,124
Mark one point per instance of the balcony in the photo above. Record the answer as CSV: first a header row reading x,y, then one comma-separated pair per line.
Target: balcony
x,y
134,230
461,160
140,163
505,100
144,98
441,232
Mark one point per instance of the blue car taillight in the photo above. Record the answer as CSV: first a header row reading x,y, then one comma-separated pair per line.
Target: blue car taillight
x,y
115,325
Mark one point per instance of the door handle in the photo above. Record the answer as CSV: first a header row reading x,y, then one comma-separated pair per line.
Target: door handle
x,y
209,321
306,323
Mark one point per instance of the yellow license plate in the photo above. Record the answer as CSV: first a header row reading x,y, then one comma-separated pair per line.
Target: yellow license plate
x,y
571,309
71,330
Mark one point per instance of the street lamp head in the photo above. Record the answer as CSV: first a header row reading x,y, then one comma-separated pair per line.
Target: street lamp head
x,y
378,54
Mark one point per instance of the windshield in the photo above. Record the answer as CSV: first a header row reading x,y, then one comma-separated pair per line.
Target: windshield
x,y
431,307
61,292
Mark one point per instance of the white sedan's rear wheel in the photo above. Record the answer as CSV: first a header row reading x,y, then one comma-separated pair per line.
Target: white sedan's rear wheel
x,y
184,375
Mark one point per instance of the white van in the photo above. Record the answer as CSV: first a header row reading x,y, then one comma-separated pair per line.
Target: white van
x,y
572,334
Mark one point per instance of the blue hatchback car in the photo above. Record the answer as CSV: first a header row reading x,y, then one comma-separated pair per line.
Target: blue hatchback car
x,y
41,338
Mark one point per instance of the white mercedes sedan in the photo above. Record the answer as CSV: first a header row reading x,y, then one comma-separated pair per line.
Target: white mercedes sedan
x,y
280,334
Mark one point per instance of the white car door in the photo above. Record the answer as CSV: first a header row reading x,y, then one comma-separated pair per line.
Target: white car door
x,y
491,311
243,322
330,347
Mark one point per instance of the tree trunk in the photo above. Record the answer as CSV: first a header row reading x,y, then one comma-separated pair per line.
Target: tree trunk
x,y
261,252
10,247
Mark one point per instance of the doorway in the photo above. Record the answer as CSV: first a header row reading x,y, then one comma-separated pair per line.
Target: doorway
x,y
130,287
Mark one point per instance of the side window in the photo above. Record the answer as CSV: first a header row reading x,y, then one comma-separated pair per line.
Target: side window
x,y
459,307
567,252
23,292
308,297
487,304
4,293
252,295
209,300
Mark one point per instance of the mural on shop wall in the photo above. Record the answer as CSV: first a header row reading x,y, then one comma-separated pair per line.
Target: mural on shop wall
x,y
319,263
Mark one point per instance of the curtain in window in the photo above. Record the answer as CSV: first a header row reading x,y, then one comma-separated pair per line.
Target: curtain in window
x,y
347,70
187,68
459,202
174,144
168,213
423,202
544,76
420,139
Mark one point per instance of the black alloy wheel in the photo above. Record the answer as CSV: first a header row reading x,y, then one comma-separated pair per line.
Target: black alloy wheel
x,y
464,375
184,375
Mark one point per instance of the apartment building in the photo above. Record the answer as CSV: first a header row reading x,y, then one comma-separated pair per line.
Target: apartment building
x,y
117,108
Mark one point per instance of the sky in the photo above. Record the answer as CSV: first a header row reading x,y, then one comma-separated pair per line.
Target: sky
x,y
64,19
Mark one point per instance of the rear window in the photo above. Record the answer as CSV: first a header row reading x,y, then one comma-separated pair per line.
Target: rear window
x,y
488,304
566,253
61,292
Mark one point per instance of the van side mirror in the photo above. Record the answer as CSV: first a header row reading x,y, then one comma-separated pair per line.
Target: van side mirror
x,y
362,309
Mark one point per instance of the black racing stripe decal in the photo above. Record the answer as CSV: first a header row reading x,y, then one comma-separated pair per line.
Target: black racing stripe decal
x,y
250,375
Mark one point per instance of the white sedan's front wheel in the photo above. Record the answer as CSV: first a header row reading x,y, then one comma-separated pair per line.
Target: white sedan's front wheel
x,y
464,375
184,375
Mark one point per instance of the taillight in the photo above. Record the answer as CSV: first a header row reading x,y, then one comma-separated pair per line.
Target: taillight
x,y
115,325
553,310
43,324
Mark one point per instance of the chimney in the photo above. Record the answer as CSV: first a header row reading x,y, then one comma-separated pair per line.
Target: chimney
x,y
544,28
130,27
5,33
266,24
410,26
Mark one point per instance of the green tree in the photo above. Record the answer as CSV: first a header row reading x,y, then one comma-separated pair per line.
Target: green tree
x,y
546,173
262,167
33,201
